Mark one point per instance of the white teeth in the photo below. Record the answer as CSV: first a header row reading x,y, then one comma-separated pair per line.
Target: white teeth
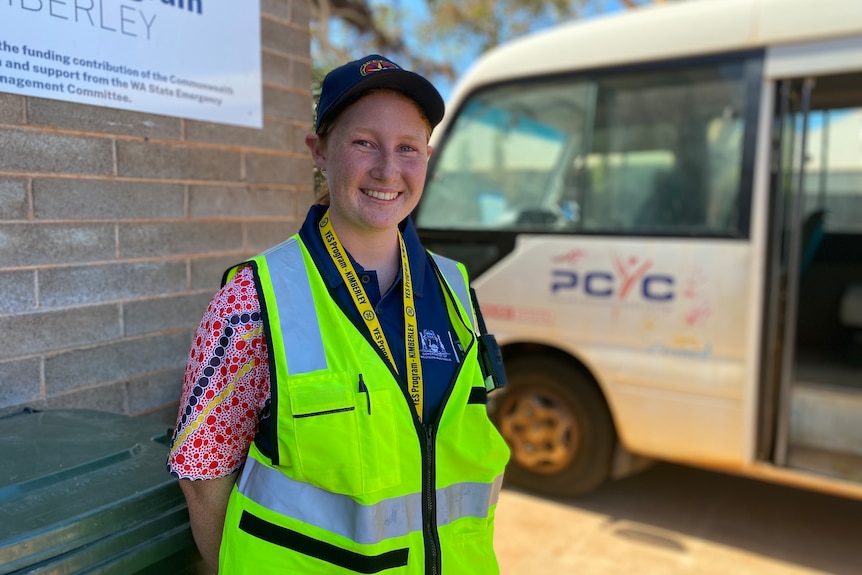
x,y
381,195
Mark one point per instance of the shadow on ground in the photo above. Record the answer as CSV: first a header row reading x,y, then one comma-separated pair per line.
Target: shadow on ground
x,y
805,528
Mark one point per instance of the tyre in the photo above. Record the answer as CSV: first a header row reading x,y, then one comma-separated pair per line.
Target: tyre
x,y
556,424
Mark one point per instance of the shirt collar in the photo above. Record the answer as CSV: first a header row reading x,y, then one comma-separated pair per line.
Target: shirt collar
x,y
314,243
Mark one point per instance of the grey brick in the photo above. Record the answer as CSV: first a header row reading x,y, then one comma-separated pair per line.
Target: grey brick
x,y
277,8
40,244
299,132
58,114
207,272
156,391
275,69
146,240
284,38
274,135
79,285
40,332
11,109
112,397
115,361
301,45
102,199
13,199
30,151
234,202
301,12
287,105
301,73
277,169
264,235
19,292
148,160
163,314
305,198
19,382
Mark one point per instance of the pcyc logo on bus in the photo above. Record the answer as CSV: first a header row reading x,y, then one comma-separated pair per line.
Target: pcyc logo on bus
x,y
629,275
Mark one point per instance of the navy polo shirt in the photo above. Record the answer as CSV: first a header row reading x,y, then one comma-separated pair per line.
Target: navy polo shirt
x,y
438,344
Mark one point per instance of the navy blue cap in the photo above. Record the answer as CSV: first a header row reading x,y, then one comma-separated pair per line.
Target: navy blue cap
x,y
344,84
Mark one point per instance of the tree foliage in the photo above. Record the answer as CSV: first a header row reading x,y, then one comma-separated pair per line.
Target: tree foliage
x,y
452,30
343,30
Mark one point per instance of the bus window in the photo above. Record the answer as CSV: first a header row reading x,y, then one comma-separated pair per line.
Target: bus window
x,y
667,153
833,176
500,159
643,153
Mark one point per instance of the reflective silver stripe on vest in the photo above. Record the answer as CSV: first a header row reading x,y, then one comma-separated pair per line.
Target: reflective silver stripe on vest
x,y
469,499
364,524
453,275
300,330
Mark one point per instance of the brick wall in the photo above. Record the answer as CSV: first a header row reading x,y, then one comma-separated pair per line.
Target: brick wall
x,y
115,228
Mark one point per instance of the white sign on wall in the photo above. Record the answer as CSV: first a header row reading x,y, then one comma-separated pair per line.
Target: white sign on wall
x,y
197,59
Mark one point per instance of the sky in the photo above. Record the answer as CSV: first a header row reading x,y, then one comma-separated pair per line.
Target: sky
x,y
419,12
419,8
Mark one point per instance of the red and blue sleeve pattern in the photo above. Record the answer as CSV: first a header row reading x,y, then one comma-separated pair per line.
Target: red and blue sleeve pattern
x,y
225,387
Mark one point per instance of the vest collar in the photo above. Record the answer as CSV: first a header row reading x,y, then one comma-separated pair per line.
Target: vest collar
x,y
311,238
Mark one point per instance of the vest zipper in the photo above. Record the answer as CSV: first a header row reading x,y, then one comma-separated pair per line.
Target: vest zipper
x,y
429,496
433,564
429,493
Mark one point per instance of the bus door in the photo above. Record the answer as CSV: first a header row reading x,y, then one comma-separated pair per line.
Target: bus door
x,y
813,333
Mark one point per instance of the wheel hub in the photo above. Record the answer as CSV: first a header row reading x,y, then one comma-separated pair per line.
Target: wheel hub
x,y
540,431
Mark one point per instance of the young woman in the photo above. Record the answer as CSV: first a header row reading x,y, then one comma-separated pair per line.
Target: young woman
x,y
333,413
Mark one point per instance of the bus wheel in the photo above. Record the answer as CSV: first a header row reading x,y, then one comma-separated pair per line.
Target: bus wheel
x,y
557,426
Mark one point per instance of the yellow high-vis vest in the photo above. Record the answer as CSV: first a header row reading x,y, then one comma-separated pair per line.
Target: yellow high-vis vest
x,y
356,483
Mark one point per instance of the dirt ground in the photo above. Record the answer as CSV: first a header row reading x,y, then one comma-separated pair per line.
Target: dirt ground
x,y
673,520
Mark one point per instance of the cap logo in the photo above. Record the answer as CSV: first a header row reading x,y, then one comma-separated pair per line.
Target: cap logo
x,y
376,66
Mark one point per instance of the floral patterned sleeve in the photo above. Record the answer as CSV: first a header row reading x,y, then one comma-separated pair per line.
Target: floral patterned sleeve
x,y
225,386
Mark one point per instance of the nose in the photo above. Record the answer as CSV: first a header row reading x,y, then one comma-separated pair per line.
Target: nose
x,y
386,166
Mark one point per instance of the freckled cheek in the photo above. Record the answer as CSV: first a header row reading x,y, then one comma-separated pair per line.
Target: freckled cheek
x,y
414,170
419,178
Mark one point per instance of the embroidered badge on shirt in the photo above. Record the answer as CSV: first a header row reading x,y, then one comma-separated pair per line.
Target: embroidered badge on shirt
x,y
431,346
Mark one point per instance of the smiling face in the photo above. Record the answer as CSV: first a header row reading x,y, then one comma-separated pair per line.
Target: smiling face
x,y
375,158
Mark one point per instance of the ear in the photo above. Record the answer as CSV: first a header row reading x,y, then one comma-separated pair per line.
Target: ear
x,y
317,149
430,150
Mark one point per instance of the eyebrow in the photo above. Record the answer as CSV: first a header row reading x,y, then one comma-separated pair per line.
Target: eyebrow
x,y
370,131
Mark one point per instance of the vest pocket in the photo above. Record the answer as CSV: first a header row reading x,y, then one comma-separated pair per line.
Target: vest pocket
x,y
472,553
341,445
380,442
325,431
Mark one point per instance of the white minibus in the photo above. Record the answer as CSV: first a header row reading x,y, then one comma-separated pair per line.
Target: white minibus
x,y
661,211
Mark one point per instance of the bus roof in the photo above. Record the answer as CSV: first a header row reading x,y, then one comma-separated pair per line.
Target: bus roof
x,y
662,32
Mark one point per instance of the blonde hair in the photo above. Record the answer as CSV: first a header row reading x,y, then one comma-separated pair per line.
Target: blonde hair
x,y
321,189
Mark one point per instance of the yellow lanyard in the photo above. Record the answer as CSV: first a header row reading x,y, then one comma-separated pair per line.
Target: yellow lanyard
x,y
366,310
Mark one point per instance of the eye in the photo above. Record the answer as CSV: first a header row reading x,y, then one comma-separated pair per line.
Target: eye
x,y
363,143
405,148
